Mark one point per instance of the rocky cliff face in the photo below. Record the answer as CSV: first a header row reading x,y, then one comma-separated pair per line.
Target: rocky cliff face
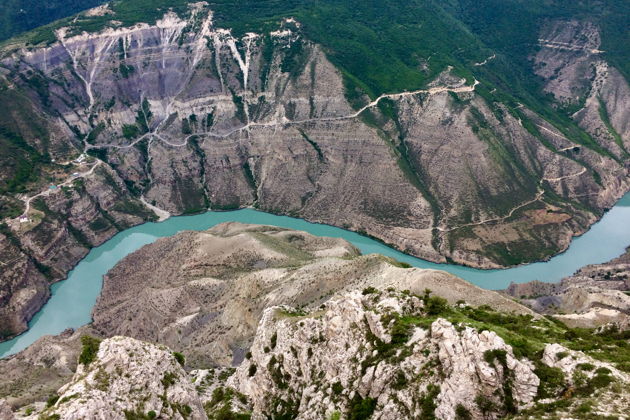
x,y
185,116
62,225
371,354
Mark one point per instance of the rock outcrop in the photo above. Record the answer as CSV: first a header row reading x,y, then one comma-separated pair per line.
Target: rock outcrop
x,y
37,372
127,377
593,376
362,350
362,354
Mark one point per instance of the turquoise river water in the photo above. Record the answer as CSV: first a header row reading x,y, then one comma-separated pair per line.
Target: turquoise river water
x,y
72,300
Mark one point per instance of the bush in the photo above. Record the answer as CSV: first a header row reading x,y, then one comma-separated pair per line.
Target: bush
x,y
462,413
484,404
337,388
361,408
552,381
90,349
180,358
369,290
252,369
52,400
400,380
585,366
436,305
603,371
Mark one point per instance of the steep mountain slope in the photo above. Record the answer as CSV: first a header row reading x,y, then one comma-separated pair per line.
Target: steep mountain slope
x,y
309,116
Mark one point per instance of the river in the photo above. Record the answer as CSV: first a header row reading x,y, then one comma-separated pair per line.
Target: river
x,y
72,300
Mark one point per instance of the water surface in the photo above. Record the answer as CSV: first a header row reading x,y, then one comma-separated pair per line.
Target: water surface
x,y
72,300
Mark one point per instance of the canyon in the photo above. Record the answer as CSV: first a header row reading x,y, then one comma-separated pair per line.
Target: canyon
x,y
180,116
262,321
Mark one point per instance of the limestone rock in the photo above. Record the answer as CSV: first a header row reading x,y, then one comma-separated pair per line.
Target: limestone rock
x,y
128,375
337,358
5,411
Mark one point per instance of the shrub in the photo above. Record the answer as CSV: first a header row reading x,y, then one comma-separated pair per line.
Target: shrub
x,y
462,413
52,400
252,369
428,404
169,379
552,381
400,380
180,358
361,408
585,366
436,305
600,381
603,371
369,290
89,350
337,388
484,404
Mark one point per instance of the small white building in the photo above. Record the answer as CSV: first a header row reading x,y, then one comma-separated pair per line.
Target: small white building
x,y
24,219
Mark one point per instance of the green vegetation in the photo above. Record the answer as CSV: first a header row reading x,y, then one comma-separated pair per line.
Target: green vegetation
x,y
428,402
89,349
180,358
220,406
462,413
17,16
52,400
139,415
603,114
361,408
169,379
526,335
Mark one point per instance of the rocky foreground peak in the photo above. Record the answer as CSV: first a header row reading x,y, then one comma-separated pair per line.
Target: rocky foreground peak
x,y
378,354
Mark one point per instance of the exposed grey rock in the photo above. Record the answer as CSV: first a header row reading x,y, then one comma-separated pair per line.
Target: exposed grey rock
x,y
128,375
5,411
324,362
